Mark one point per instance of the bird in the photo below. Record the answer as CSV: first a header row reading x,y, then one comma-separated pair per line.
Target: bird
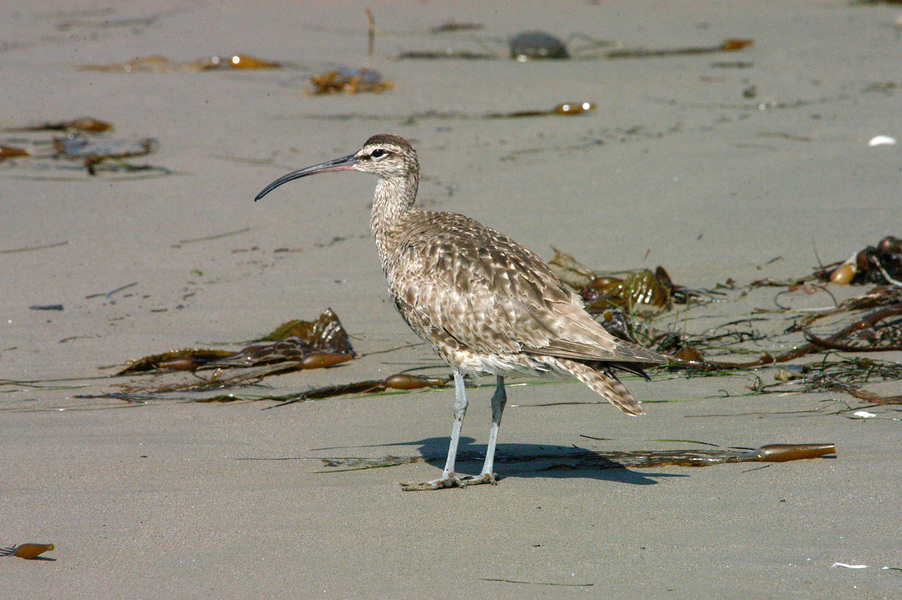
x,y
486,304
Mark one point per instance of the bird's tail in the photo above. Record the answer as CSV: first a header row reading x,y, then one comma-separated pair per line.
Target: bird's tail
x,y
605,385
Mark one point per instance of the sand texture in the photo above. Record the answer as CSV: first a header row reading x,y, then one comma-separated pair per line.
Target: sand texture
x,y
718,166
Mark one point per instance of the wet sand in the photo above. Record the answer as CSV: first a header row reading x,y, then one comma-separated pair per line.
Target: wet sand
x,y
733,165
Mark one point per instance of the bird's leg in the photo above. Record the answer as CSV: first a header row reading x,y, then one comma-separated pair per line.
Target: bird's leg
x,y
499,399
460,411
449,479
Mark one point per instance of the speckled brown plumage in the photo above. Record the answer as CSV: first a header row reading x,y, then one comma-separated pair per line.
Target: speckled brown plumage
x,y
484,302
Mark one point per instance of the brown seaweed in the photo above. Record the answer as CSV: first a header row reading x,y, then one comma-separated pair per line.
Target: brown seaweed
x,y
400,381
354,81
34,248
642,291
349,81
730,45
93,152
873,333
293,345
878,331
82,124
880,264
161,64
11,152
586,459
566,109
26,551
563,109
84,142
444,54
866,329
185,359
454,26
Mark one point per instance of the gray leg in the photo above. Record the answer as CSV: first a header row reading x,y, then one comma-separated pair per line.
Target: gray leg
x,y
499,399
460,411
449,479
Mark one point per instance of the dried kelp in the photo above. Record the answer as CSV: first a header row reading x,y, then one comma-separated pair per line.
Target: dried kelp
x,y
447,53
730,45
294,345
454,26
26,551
34,248
585,459
876,332
880,331
85,144
349,81
353,81
161,64
185,359
874,264
11,152
81,124
638,292
614,300
641,292
563,109
94,151
399,381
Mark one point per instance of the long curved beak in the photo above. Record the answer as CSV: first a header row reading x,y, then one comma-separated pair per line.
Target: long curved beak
x,y
345,163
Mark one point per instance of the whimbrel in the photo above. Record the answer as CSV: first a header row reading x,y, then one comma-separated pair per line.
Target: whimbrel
x,y
485,303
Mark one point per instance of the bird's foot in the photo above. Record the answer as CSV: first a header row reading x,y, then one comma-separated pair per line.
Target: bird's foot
x,y
451,481
435,484
490,478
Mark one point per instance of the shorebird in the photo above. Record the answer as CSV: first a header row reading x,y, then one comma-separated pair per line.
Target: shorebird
x,y
485,303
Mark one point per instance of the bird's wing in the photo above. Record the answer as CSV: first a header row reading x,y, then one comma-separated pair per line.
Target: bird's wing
x,y
457,278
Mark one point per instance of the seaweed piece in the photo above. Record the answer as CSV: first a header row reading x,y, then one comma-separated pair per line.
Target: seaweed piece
x,y
322,343
874,264
399,381
353,81
161,64
185,359
574,108
243,62
730,45
450,26
563,109
11,152
298,344
93,152
34,248
583,458
642,291
26,551
349,81
82,124
46,307
444,54
873,333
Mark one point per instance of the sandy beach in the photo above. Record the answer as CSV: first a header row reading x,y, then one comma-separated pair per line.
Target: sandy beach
x,y
719,166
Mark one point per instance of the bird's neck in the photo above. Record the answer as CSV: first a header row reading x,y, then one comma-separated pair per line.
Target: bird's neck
x,y
394,198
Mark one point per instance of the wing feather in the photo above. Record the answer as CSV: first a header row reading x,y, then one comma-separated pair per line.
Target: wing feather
x,y
455,279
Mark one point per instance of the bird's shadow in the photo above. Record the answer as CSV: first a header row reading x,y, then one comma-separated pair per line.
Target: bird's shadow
x,y
551,461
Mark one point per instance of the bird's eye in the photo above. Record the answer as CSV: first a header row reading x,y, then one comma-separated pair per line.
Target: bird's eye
x,y
378,153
